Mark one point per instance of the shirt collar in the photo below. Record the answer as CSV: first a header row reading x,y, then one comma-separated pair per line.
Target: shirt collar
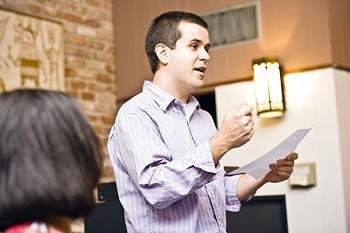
x,y
164,99
193,104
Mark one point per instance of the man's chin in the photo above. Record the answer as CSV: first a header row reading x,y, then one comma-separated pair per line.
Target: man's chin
x,y
199,83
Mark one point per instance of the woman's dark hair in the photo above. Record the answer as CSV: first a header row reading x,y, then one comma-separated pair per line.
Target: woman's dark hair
x,y
164,29
50,157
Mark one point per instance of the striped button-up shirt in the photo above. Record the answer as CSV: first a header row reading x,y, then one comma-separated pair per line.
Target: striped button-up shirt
x,y
166,178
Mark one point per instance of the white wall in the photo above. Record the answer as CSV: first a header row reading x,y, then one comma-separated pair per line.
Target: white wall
x,y
342,83
313,99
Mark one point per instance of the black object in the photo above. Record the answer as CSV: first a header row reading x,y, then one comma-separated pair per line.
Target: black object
x,y
262,214
108,215
207,103
107,192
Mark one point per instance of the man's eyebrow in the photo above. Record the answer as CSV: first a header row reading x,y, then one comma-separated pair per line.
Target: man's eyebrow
x,y
196,40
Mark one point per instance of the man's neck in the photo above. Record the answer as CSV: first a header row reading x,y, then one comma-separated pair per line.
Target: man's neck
x,y
165,83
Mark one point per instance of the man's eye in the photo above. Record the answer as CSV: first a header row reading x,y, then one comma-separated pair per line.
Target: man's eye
x,y
194,46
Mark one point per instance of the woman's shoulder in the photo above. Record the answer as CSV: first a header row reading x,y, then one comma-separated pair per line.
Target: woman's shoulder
x,y
33,227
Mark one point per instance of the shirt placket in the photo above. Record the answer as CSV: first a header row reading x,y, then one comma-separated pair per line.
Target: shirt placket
x,y
216,209
208,188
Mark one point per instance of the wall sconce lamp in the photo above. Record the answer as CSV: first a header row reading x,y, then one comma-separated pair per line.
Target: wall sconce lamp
x,y
268,87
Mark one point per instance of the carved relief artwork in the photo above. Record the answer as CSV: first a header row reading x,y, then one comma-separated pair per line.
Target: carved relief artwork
x,y
31,52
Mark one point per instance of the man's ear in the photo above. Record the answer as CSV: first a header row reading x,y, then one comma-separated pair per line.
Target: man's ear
x,y
162,53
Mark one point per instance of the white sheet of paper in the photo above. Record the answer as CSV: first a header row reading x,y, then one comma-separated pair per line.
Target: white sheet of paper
x,y
260,166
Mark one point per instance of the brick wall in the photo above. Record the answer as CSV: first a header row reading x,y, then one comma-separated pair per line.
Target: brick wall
x,y
89,58
89,55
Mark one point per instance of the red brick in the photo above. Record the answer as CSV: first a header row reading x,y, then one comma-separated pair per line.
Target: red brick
x,y
96,87
70,72
96,3
91,117
75,62
103,78
72,93
95,45
92,22
88,96
76,39
108,120
72,17
77,84
99,130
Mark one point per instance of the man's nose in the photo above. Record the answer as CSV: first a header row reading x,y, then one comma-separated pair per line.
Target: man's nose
x,y
204,55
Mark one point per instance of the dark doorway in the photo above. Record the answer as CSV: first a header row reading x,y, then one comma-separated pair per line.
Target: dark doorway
x,y
207,102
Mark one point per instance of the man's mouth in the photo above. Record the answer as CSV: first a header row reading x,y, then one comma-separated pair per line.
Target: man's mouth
x,y
201,69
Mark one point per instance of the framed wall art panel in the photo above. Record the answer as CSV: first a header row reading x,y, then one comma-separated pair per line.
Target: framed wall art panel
x,y
31,52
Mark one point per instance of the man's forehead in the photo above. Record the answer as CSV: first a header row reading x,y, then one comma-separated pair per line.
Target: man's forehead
x,y
193,31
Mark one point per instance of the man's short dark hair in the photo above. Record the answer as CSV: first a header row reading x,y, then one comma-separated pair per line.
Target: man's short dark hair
x,y
50,157
164,29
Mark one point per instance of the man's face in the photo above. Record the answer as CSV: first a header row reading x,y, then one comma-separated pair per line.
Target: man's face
x,y
189,60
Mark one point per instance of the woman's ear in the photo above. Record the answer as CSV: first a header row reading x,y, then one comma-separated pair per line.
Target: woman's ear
x,y
162,53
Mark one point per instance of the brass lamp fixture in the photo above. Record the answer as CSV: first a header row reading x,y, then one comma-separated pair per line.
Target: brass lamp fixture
x,y
268,87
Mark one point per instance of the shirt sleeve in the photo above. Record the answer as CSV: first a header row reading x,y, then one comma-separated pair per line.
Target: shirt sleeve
x,y
160,179
231,190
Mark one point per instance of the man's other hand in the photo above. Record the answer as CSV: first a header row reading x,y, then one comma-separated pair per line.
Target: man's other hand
x,y
282,169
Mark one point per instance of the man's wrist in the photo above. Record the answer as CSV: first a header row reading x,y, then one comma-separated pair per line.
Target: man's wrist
x,y
218,148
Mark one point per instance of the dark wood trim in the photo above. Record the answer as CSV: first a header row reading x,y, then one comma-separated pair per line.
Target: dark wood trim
x,y
341,67
304,69
210,87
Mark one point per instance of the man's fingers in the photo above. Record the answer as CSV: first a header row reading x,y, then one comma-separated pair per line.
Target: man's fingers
x,y
288,164
246,120
292,156
284,162
283,175
243,109
241,105
281,169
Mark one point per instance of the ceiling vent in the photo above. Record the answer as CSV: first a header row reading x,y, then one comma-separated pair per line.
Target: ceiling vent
x,y
233,25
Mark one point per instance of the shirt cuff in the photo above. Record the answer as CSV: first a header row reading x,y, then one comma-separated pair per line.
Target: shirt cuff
x,y
231,188
203,159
